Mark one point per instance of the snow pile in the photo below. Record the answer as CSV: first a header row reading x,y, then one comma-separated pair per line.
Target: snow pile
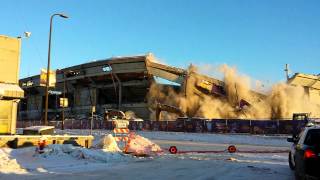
x,y
139,146
108,143
57,158
82,153
9,165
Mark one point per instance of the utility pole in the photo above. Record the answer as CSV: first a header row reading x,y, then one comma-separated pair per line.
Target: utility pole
x,y
64,99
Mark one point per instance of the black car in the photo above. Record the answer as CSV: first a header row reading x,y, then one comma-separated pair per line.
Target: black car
x,y
304,157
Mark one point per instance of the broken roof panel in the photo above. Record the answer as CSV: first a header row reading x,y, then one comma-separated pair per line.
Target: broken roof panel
x,y
306,80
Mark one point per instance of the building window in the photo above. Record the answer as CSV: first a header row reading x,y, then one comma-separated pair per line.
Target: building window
x,y
106,69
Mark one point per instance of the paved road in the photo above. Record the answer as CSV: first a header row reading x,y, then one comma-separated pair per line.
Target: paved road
x,y
188,166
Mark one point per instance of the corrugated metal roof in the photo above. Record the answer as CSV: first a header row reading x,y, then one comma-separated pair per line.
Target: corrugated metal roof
x,y
11,91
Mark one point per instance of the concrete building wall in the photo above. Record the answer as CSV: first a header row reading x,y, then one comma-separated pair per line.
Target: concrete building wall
x,y
9,59
314,95
10,92
311,83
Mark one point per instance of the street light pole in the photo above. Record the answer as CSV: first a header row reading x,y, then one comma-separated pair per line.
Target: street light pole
x,y
48,68
64,98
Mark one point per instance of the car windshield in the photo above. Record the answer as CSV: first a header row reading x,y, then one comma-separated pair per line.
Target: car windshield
x,y
313,137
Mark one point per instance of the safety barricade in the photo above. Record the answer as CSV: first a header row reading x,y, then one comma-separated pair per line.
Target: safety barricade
x,y
147,126
238,126
264,127
136,125
121,136
220,126
171,125
163,125
121,130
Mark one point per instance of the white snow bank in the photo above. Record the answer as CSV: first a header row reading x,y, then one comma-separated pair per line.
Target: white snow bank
x,y
58,158
9,164
108,143
139,145
98,155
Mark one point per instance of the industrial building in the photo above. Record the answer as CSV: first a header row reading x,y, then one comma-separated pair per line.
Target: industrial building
x,y
123,83
116,83
310,83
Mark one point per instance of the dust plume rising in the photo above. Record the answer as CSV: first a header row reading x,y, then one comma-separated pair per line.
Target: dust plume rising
x,y
238,101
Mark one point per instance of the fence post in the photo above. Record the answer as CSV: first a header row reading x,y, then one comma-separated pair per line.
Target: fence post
x,y
227,129
278,126
167,126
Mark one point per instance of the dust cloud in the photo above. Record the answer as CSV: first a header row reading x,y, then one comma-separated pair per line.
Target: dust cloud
x,y
238,100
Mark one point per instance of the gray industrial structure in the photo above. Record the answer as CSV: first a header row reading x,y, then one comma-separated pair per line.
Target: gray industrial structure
x,y
115,83
123,83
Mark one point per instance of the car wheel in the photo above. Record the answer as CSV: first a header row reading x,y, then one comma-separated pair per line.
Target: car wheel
x,y
291,165
298,176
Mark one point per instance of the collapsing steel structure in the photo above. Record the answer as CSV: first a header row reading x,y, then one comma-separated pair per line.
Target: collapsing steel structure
x,y
116,83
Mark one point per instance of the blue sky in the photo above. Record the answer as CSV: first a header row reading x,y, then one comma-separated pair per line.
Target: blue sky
x,y
258,37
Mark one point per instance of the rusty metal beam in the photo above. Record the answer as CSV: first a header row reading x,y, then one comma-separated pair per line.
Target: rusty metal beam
x,y
119,91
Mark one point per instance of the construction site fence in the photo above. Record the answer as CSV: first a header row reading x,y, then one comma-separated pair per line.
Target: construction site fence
x,y
187,125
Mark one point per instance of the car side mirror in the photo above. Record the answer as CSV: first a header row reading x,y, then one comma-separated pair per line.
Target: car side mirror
x,y
293,139
290,140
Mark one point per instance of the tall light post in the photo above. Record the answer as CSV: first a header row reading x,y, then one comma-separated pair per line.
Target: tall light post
x,y
48,67
64,97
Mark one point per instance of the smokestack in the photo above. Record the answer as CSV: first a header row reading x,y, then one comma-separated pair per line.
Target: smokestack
x,y
287,71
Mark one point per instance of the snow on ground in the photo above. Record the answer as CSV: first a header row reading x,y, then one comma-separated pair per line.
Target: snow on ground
x,y
199,137
9,164
57,159
68,162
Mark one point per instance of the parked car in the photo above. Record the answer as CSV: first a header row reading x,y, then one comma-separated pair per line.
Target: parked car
x,y
304,156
